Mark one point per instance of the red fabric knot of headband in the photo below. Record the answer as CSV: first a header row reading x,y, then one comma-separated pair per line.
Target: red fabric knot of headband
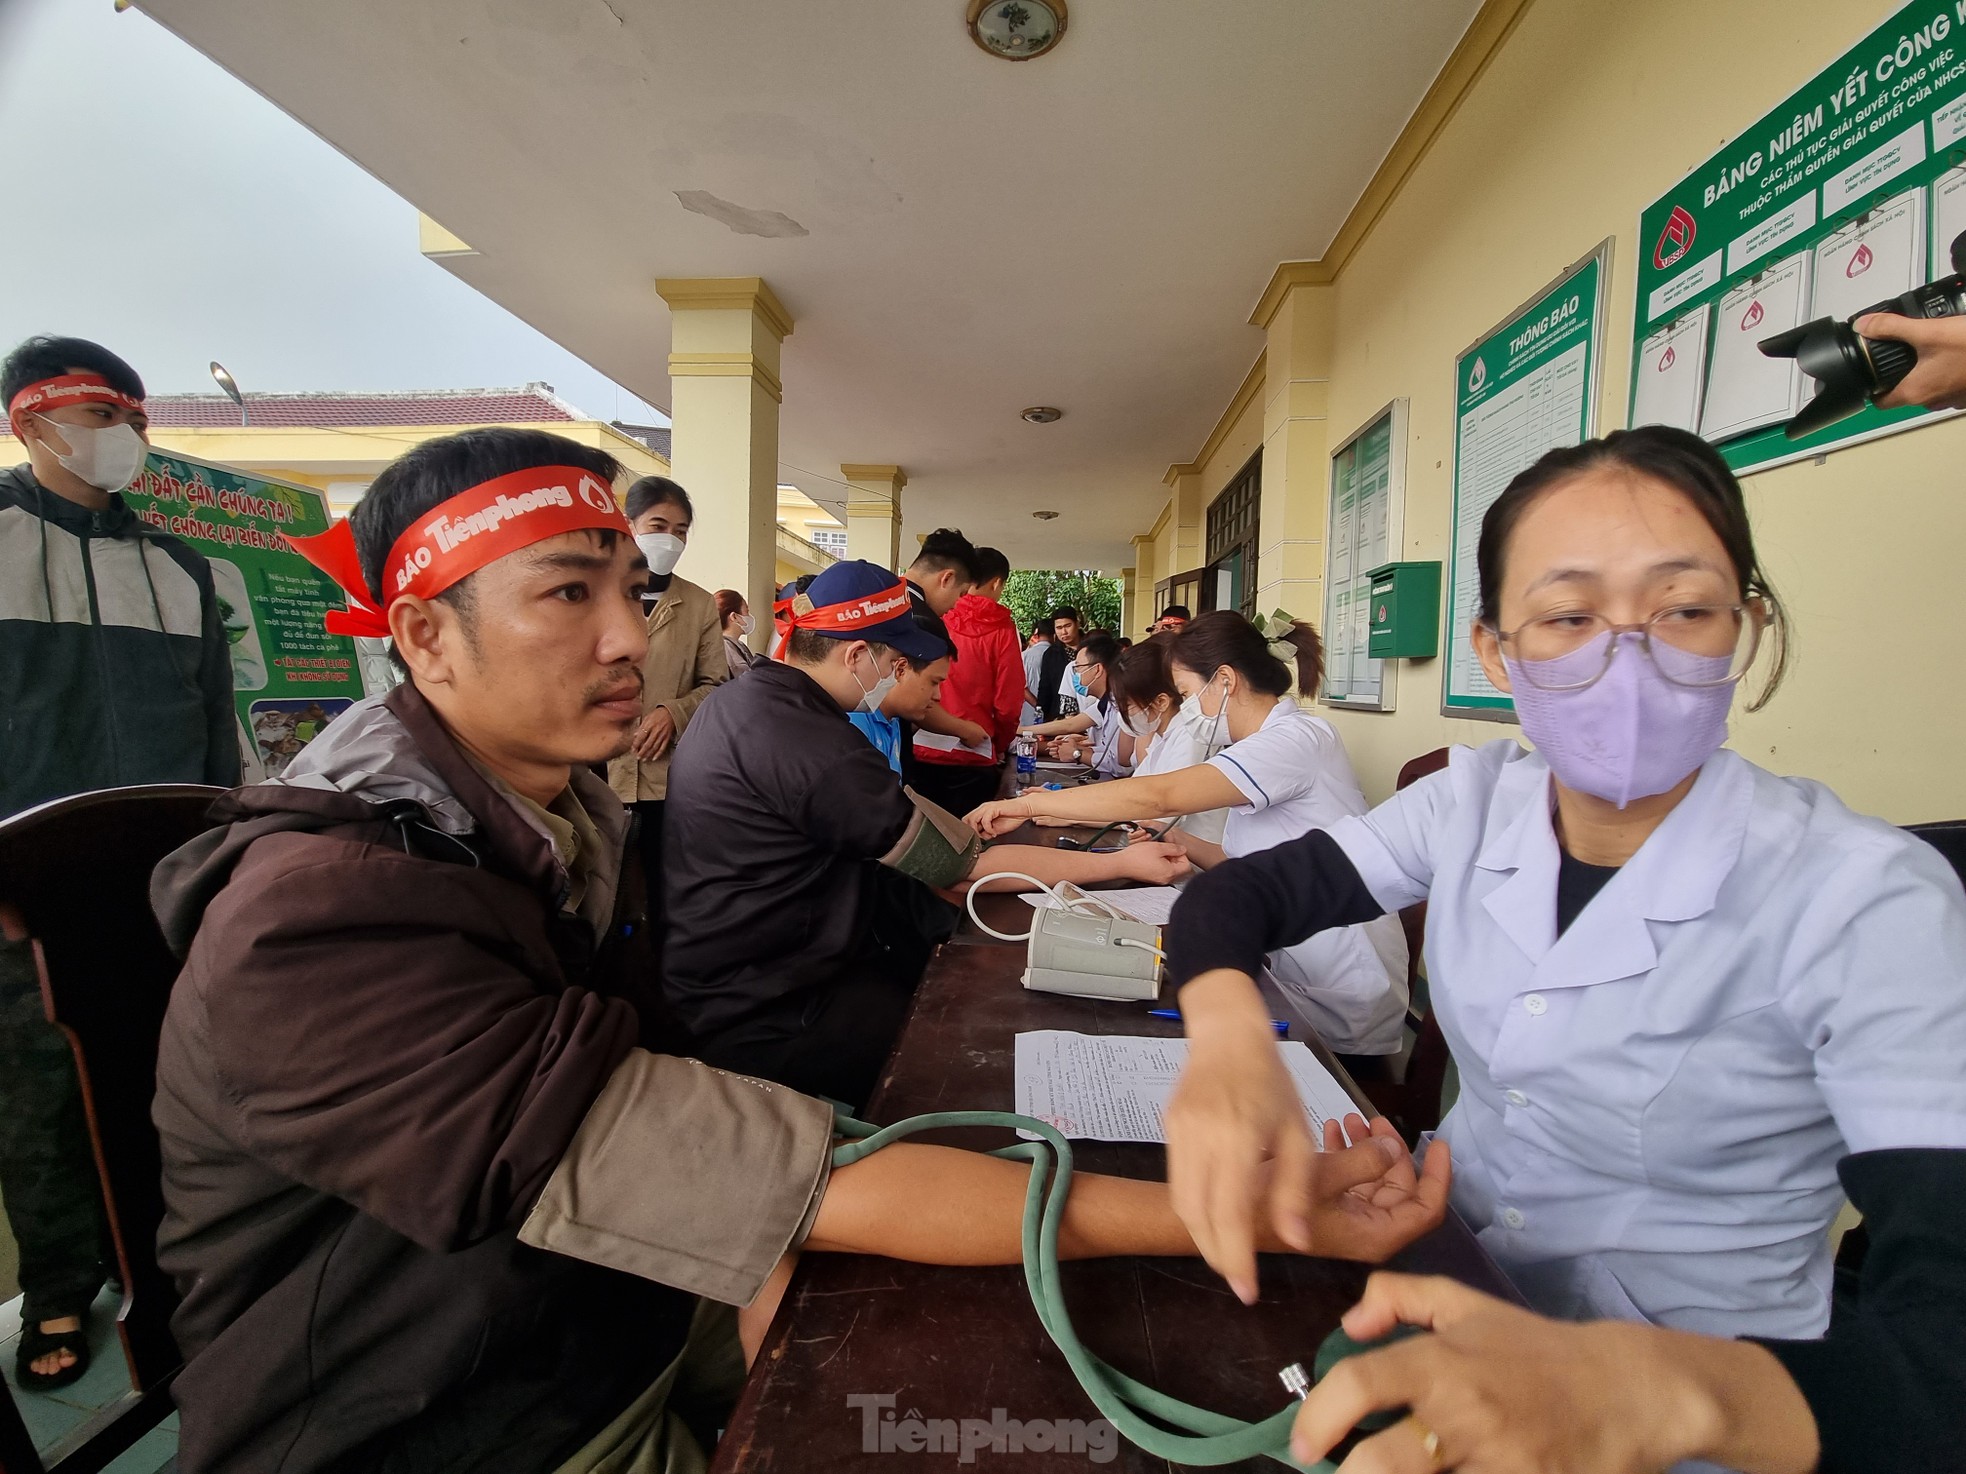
x,y
47,394
459,536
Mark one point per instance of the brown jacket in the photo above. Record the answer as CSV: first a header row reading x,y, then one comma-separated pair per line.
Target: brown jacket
x,y
685,660
420,1179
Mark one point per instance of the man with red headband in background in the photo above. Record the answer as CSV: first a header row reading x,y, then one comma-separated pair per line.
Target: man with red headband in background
x,y
114,670
436,1199
798,863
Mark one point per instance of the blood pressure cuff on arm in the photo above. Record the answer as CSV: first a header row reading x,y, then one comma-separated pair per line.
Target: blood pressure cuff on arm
x,y
936,848
689,1176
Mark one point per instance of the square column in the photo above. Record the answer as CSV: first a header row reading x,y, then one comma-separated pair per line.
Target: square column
x,y
1141,578
873,514
1296,451
724,395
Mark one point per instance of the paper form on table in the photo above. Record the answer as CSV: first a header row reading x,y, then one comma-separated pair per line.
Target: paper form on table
x,y
1115,1087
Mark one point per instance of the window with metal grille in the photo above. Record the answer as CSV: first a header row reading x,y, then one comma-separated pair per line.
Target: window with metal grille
x,y
1230,582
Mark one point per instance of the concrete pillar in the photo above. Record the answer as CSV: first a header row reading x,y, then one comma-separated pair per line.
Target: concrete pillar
x,y
873,514
1296,451
1140,612
724,396
1129,601
1186,513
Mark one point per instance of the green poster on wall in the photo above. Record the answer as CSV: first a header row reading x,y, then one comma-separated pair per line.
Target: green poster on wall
x,y
1846,194
290,677
1525,388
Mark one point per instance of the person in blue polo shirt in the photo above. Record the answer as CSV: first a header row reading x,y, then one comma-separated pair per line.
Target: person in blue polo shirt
x,y
797,867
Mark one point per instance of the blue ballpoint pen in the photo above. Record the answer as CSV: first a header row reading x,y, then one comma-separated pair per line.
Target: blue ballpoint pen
x,y
1282,1026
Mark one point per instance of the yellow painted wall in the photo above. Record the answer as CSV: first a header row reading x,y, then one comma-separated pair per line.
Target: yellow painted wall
x,y
1588,110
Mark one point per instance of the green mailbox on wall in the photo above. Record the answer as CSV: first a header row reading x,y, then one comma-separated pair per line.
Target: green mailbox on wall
x,y
1405,612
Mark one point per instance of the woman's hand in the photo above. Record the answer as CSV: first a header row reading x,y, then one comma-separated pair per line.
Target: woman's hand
x,y
998,817
1240,1158
1154,863
1360,1213
1499,1390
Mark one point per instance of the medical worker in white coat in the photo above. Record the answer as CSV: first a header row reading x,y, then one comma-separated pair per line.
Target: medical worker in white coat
x,y
1280,772
1162,740
1685,995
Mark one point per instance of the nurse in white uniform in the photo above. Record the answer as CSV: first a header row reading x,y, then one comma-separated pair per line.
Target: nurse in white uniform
x,y
1280,772
1163,741
1095,734
1685,995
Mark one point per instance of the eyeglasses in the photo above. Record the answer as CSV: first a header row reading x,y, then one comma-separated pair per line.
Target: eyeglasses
x,y
1696,645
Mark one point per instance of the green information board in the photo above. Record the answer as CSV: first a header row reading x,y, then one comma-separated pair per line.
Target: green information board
x,y
1525,388
1848,193
290,677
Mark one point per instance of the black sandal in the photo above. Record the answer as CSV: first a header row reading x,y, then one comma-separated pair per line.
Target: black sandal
x,y
36,1343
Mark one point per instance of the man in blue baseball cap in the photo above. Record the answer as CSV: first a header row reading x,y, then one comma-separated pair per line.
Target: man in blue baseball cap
x,y
796,864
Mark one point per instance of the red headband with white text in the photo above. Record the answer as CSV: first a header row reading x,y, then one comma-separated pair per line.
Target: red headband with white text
x,y
456,538
47,394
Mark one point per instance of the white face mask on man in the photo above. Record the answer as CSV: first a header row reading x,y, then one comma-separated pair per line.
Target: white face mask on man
x,y
663,550
107,457
871,697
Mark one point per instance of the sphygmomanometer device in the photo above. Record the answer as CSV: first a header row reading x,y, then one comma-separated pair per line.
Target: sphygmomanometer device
x,y
1085,949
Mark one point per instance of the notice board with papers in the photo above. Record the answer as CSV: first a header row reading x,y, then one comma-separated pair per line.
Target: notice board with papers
x,y
1848,193
1528,387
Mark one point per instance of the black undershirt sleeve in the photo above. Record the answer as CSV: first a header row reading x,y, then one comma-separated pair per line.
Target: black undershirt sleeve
x,y
1888,1384
1230,916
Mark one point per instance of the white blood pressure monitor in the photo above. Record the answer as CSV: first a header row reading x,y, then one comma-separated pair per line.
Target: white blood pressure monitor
x,y
1086,950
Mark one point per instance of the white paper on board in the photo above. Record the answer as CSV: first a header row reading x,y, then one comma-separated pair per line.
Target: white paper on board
x,y
1948,216
1746,389
1875,256
1672,373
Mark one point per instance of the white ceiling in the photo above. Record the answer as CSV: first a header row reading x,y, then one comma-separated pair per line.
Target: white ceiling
x,y
1088,229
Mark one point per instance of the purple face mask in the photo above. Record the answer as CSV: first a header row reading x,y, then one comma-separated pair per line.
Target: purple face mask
x,y
1633,733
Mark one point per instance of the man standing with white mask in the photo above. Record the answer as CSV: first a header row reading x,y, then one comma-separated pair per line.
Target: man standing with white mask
x,y
114,670
685,659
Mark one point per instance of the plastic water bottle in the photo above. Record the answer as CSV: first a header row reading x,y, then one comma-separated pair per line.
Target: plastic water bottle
x,y
1026,752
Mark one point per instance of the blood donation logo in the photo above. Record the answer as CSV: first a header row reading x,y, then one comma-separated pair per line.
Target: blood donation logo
x,y
1860,262
1667,359
596,495
1675,240
1751,319
1477,376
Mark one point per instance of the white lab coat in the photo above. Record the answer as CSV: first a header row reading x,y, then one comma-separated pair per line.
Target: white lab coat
x,y
1653,1104
1174,749
1107,729
1295,776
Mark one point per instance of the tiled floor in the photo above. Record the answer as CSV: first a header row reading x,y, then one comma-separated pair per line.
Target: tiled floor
x,y
51,1415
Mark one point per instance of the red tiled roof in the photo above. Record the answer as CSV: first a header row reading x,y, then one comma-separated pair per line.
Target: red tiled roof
x,y
530,405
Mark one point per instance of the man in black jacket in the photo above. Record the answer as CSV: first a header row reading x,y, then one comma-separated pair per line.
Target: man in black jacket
x,y
114,670
1055,698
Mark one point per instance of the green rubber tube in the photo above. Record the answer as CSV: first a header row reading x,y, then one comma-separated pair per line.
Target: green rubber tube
x,y
1132,1407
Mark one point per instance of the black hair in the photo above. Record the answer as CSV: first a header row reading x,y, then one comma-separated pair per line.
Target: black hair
x,y
1064,611
1684,462
430,474
1043,627
1100,649
1176,611
1223,637
930,621
989,565
653,491
1144,673
809,647
48,357
947,548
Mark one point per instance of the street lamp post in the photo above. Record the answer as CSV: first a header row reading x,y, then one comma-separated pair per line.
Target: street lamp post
x,y
231,387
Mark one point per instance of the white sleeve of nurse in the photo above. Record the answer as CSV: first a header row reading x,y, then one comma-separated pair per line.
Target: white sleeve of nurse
x,y
1392,846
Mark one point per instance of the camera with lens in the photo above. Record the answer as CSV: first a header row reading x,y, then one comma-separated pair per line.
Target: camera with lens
x,y
1851,370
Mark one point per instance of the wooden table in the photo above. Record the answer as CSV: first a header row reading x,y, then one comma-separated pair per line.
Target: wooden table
x,y
961,1343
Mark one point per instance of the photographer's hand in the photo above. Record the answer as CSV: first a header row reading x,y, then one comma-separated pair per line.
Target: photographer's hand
x,y
1938,379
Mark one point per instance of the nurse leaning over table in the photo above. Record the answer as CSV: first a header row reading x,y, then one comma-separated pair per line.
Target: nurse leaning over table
x,y
1685,996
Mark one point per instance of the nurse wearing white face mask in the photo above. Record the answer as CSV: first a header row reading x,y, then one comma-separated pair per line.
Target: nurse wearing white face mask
x,y
1095,735
1280,772
1686,996
1164,738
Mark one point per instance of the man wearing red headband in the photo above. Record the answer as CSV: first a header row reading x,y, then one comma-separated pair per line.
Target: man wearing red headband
x,y
436,1199
114,670
797,870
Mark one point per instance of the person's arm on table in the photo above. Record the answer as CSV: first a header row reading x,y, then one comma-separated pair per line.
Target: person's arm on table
x,y
1150,864
1062,727
1502,1389
939,719
1183,791
1239,1150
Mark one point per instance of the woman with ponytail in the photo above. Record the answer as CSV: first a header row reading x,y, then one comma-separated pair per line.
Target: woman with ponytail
x,y
1280,772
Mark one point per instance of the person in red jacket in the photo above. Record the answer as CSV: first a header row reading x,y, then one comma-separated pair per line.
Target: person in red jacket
x,y
985,686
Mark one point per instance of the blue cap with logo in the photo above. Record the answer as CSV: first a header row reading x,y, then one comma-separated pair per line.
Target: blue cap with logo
x,y
857,600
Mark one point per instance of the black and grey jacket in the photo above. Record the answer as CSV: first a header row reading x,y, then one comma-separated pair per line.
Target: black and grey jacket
x,y
114,667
